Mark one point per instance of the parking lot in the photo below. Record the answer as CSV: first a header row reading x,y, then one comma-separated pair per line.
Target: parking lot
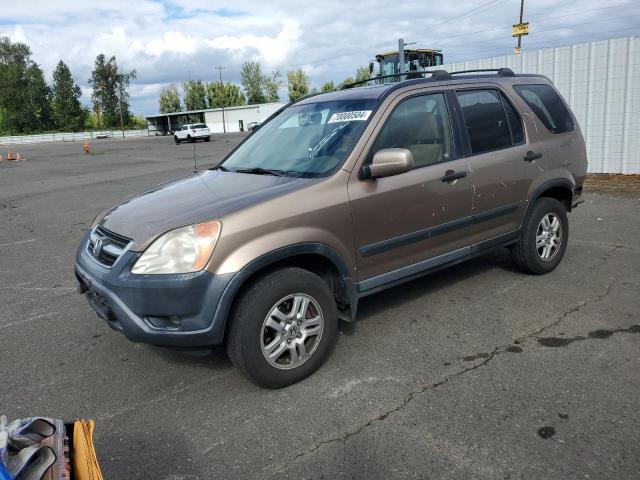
x,y
476,372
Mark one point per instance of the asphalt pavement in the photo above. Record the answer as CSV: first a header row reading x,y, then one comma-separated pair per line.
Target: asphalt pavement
x,y
475,372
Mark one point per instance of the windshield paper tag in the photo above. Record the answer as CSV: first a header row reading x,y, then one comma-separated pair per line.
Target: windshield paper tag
x,y
358,115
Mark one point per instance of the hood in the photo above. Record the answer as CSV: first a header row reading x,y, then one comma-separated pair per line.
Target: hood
x,y
207,195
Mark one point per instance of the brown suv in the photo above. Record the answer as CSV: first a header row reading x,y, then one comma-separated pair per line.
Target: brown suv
x,y
336,197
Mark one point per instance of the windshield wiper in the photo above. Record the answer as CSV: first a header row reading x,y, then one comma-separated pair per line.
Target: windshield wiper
x,y
222,168
261,171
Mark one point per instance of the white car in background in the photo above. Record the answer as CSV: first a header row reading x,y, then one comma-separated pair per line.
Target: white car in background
x,y
192,132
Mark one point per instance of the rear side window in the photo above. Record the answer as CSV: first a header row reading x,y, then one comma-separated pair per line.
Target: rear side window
x,y
548,107
485,119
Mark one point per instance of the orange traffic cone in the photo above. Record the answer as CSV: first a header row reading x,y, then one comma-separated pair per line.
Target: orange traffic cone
x,y
85,147
18,157
10,155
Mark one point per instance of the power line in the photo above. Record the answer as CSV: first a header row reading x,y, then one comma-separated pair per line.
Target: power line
x,y
549,18
537,21
456,18
382,45
555,29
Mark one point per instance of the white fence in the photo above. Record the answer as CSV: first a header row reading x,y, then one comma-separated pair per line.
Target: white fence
x,y
601,83
68,137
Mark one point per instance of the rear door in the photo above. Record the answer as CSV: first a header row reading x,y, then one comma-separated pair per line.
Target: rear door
x,y
503,159
404,220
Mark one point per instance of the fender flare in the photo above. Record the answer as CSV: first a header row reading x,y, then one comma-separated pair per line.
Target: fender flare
x,y
548,185
230,293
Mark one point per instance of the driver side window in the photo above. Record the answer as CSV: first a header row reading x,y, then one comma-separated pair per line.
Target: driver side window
x,y
421,125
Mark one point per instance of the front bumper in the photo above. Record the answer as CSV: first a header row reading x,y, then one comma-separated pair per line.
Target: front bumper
x,y
178,310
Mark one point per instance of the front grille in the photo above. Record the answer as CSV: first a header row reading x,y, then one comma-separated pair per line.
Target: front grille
x,y
112,246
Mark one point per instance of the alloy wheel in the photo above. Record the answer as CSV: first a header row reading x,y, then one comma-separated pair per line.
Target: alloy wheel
x,y
549,236
292,331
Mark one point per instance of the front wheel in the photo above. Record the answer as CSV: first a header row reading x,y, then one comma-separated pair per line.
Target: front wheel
x,y
177,140
190,139
543,238
283,327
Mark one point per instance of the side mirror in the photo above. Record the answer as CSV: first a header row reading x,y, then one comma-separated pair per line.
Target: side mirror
x,y
388,162
370,67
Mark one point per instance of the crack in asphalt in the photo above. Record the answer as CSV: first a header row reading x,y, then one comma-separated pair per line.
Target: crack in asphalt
x,y
491,355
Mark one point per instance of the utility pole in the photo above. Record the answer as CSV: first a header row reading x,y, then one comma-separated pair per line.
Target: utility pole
x,y
521,29
120,89
224,95
401,58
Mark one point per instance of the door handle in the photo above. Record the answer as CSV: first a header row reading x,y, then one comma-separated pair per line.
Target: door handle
x,y
451,176
531,156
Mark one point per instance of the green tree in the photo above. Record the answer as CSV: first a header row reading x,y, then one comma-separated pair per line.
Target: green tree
x,y
110,92
68,113
253,82
195,95
224,94
271,86
328,87
14,60
24,93
38,100
170,99
298,84
362,73
91,121
138,121
346,82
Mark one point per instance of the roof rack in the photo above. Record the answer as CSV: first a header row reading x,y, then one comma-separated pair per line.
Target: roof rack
x,y
435,74
503,72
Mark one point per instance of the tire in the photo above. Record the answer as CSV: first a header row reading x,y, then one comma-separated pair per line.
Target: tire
x,y
190,139
249,334
177,140
207,139
530,257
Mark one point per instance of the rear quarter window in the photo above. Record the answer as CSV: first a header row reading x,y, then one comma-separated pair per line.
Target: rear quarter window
x,y
548,107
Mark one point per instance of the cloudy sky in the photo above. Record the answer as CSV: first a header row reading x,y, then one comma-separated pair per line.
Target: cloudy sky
x,y
168,40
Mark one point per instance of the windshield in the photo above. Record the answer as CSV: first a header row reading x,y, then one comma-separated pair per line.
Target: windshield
x,y
310,140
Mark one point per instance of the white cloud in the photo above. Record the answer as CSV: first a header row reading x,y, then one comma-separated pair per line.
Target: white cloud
x,y
273,51
164,40
170,42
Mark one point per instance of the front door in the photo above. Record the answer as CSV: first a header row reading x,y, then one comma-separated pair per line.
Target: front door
x,y
404,220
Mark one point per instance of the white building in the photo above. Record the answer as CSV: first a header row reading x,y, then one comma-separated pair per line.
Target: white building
x,y
601,82
235,118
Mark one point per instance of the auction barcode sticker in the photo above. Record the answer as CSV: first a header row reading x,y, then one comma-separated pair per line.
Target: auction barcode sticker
x,y
358,115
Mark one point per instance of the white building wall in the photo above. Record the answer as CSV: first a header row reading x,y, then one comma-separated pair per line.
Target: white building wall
x,y
233,115
601,83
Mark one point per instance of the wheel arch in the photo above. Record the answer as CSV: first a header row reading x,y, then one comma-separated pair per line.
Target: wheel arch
x,y
318,258
559,188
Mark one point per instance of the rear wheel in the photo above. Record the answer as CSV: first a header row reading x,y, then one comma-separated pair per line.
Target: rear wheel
x,y
543,238
177,140
283,327
190,139
207,139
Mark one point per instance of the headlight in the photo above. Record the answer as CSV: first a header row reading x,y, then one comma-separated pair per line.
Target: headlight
x,y
183,250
